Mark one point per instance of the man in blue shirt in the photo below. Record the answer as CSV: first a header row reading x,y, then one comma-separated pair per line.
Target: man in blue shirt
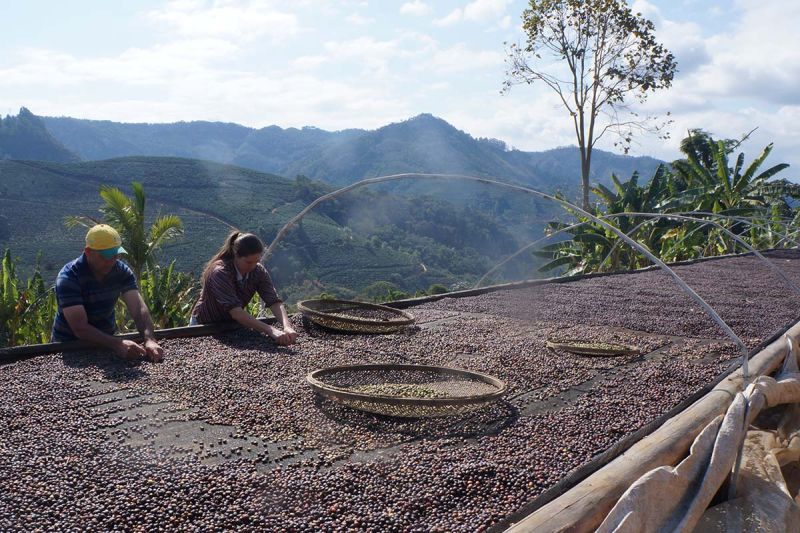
x,y
87,290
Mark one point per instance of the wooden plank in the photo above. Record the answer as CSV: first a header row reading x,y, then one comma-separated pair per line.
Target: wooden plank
x,y
9,355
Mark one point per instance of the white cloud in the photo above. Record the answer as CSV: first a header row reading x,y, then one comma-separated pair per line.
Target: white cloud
x,y
158,65
309,62
287,98
729,82
190,77
303,99
752,60
741,77
217,60
455,16
755,61
528,119
363,47
417,8
476,11
359,20
371,54
781,128
483,9
684,40
244,21
440,86
460,58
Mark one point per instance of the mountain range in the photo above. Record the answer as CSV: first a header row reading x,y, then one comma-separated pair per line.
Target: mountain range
x,y
421,144
217,176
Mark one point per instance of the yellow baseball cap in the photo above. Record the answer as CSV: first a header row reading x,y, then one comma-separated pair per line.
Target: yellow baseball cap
x,y
104,239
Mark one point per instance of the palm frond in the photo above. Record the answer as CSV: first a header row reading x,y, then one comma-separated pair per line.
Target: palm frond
x,y
753,167
117,209
139,197
73,221
164,229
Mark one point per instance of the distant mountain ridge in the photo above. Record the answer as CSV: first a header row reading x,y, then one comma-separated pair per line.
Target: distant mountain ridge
x,y
421,144
26,137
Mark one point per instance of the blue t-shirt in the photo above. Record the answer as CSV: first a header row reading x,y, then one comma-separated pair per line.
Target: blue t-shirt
x,y
76,285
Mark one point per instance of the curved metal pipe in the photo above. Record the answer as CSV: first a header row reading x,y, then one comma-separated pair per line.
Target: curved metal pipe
x,y
735,237
563,203
526,247
786,237
705,213
740,219
616,244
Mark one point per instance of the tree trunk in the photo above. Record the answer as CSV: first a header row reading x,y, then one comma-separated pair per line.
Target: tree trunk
x,y
585,166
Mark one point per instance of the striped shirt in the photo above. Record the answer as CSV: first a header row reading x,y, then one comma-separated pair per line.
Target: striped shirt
x,y
77,285
224,290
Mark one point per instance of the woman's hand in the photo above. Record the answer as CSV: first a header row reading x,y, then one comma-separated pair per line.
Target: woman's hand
x,y
289,330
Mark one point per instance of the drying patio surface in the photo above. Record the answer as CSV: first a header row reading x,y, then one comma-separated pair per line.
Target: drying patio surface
x,y
225,434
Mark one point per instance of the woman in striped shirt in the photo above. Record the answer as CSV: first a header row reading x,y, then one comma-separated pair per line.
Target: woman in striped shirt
x,y
230,280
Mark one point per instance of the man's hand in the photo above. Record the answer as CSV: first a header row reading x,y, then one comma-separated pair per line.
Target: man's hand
x,y
154,352
144,323
283,338
129,351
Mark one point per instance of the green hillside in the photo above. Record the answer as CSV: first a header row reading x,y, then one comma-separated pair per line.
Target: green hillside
x,y
345,246
423,144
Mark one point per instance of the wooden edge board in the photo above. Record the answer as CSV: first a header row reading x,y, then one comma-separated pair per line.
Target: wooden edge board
x,y
8,355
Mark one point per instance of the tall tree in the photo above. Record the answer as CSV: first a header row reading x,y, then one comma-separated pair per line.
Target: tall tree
x,y
595,55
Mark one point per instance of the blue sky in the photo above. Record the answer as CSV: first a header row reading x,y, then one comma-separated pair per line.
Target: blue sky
x,y
342,64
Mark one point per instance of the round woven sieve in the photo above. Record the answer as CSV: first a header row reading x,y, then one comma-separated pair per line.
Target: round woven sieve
x,y
407,390
602,349
355,317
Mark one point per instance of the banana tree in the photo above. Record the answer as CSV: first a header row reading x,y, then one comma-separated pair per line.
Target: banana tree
x,y
582,252
592,248
721,187
26,310
709,182
169,295
628,196
10,305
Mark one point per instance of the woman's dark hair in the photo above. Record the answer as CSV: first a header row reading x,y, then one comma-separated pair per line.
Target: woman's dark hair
x,y
237,244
